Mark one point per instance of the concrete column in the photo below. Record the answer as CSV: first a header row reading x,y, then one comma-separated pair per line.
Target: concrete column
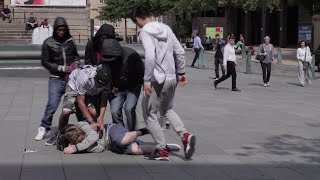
x,y
247,28
316,30
283,23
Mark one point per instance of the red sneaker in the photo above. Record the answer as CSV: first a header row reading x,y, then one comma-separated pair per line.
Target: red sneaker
x,y
159,155
189,142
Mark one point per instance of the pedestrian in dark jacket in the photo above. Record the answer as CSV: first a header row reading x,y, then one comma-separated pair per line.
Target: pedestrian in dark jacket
x,y
93,48
129,89
59,57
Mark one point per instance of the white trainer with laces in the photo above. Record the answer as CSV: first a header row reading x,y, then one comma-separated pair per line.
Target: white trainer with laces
x,y
41,132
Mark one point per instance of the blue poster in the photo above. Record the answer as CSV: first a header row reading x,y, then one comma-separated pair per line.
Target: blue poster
x,y
305,33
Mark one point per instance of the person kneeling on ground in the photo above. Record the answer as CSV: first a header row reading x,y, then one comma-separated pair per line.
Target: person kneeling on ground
x,y
84,81
115,137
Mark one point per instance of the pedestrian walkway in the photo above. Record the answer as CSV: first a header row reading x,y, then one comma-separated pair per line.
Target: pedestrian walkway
x,y
257,134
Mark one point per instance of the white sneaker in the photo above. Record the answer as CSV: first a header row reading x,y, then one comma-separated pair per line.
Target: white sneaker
x,y
264,85
41,132
268,84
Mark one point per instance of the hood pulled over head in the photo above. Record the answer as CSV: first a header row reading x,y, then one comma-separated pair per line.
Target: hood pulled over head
x,y
61,22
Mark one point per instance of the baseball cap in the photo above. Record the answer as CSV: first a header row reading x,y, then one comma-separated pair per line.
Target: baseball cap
x,y
102,77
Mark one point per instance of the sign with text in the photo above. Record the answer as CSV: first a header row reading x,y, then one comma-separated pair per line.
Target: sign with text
x,y
305,33
212,31
49,2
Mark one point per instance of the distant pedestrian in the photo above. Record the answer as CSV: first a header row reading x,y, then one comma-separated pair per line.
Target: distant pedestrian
x,y
44,23
229,64
59,57
6,13
267,52
304,59
197,47
219,56
32,23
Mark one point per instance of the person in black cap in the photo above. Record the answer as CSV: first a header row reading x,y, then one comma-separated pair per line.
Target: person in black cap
x,y
86,80
229,64
59,56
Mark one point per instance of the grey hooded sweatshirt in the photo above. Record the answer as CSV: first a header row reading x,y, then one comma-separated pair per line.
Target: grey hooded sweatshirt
x,y
163,53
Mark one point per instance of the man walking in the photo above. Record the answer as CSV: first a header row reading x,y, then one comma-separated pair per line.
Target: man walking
x,y
6,13
229,64
197,47
129,89
59,57
163,57
218,57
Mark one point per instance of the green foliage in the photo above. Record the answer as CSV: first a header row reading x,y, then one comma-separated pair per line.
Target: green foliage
x,y
312,5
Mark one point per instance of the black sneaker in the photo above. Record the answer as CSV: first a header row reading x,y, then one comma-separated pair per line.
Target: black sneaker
x,y
215,84
159,155
192,66
52,141
173,147
236,89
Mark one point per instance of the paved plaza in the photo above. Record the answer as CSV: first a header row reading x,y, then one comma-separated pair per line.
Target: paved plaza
x,y
257,134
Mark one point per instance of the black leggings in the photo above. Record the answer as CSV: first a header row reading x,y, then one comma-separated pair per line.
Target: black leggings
x,y
266,71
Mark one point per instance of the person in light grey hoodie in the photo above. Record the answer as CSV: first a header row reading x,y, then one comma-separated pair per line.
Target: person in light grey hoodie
x,y
164,59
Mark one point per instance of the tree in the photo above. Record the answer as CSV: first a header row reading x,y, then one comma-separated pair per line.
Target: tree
x,y
313,6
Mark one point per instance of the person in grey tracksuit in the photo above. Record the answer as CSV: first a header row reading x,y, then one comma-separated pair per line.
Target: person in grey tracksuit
x,y
163,53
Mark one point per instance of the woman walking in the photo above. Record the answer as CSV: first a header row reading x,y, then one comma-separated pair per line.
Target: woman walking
x,y
267,52
304,58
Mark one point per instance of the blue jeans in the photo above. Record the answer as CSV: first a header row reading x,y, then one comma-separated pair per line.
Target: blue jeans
x,y
57,86
128,101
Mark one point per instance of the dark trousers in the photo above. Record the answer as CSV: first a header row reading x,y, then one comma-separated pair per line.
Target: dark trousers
x,y
126,100
266,71
217,62
56,90
29,27
196,57
231,71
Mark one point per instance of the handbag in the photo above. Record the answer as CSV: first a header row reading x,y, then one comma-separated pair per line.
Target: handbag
x,y
308,57
261,57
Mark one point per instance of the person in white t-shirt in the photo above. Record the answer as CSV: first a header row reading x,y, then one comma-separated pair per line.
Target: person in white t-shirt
x,y
86,80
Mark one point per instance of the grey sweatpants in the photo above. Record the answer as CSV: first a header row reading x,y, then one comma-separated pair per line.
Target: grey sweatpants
x,y
160,100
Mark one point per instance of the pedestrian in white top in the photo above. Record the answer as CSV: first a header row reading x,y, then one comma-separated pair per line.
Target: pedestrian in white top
x,y
304,59
229,64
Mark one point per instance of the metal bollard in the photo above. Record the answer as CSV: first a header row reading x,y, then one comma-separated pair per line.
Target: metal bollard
x,y
200,61
279,56
248,64
244,52
313,67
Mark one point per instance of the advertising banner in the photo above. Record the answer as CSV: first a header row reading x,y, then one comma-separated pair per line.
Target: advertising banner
x,y
305,33
49,2
212,31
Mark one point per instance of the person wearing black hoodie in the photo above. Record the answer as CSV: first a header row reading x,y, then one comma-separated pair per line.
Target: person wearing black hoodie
x,y
129,89
59,57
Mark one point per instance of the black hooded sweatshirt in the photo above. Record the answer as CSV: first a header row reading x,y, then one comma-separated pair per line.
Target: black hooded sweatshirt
x,y
94,45
59,52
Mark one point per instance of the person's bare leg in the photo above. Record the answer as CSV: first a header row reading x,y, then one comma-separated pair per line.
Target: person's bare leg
x,y
129,137
93,113
64,119
142,149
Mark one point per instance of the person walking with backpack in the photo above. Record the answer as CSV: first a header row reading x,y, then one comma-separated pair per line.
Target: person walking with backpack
x,y
59,56
304,59
163,53
266,58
